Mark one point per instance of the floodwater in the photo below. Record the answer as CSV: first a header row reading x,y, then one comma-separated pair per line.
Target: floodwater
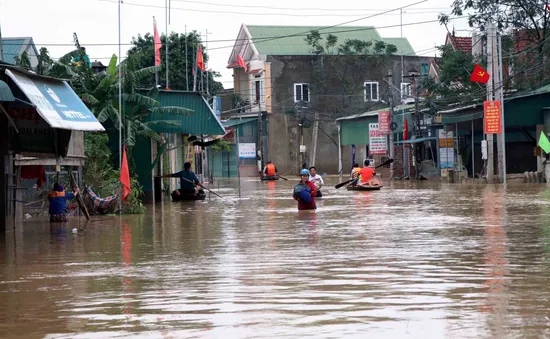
x,y
416,260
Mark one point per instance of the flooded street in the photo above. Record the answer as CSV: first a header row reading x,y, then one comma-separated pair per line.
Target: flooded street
x,y
416,260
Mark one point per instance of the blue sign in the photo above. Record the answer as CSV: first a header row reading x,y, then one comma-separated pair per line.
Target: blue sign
x,y
217,106
56,102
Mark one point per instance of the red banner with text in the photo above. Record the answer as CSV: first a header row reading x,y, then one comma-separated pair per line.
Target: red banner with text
x,y
492,117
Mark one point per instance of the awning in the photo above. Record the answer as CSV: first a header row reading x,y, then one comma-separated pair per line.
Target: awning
x,y
415,141
55,102
237,121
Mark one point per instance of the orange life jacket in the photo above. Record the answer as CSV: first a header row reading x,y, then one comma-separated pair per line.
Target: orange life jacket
x,y
356,172
56,194
366,174
271,170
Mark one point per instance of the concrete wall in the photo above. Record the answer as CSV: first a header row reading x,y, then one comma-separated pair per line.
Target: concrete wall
x,y
283,130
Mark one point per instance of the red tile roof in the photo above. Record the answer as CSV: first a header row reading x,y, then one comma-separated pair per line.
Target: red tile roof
x,y
463,44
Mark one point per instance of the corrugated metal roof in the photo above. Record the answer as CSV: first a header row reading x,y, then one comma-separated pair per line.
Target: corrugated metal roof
x,y
402,44
375,112
12,47
201,121
268,42
237,121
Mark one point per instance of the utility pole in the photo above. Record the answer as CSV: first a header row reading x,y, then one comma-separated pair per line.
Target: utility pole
x,y
501,142
167,43
491,56
314,137
260,139
390,101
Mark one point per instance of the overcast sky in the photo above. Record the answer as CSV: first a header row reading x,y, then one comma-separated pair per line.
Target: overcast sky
x,y
51,23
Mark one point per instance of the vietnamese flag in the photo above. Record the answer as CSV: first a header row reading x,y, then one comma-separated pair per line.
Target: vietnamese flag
x,y
479,75
200,59
241,62
548,7
158,43
125,176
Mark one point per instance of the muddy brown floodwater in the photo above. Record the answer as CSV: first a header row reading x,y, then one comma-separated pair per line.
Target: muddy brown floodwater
x,y
416,260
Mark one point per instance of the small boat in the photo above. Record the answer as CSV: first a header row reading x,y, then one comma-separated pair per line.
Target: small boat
x,y
188,197
268,178
363,188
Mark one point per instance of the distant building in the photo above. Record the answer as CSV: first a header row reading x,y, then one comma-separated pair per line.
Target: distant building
x,y
14,47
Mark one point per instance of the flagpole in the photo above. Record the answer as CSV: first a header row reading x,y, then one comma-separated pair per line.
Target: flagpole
x,y
206,64
195,69
155,53
120,102
167,43
186,65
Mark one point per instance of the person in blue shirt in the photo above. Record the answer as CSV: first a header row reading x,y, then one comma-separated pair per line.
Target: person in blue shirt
x,y
188,180
58,203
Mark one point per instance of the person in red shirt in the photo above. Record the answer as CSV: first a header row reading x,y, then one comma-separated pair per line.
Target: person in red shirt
x,y
367,172
306,203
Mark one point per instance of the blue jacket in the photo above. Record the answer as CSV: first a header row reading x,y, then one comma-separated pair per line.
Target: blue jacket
x,y
189,175
58,202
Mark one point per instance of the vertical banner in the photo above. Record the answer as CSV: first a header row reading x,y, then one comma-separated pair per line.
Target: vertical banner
x,y
217,106
492,117
384,122
352,155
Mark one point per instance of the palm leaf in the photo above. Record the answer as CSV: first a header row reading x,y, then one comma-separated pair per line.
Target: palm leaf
x,y
145,72
139,99
167,122
111,69
109,112
89,98
131,133
66,59
172,110
145,130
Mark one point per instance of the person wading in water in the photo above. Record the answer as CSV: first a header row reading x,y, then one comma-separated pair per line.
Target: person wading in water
x,y
305,192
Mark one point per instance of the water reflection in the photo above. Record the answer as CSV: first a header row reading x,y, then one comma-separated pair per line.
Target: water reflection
x,y
412,260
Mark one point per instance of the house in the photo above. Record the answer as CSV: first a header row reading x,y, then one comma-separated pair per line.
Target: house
x,y
15,47
282,84
41,120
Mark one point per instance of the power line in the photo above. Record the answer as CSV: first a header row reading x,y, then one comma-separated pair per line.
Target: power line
x,y
241,13
301,9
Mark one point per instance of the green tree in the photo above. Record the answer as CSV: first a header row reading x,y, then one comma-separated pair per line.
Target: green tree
x,y
453,84
180,61
44,61
527,22
23,61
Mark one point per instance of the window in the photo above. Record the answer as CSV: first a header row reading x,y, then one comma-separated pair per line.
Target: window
x,y
405,89
371,91
301,92
257,93
425,69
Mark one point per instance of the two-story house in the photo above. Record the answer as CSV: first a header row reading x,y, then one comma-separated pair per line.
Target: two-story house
x,y
301,93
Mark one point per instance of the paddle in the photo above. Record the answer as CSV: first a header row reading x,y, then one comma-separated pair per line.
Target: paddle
x,y
78,197
216,194
387,162
283,178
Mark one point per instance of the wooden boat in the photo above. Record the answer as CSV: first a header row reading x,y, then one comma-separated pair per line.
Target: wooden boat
x,y
188,197
363,188
268,178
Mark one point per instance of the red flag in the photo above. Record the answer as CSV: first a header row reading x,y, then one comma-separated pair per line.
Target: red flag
x,y
200,59
548,7
158,44
125,176
241,62
479,75
405,129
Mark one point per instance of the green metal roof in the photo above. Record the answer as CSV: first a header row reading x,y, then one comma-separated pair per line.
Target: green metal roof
x,y
237,121
397,110
290,40
12,47
202,121
5,92
402,44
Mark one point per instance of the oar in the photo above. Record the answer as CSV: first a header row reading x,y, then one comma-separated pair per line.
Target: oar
x,y
387,162
283,178
216,194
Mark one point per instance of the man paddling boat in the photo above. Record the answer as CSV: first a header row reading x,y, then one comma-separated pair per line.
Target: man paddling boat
x,y
188,181
270,170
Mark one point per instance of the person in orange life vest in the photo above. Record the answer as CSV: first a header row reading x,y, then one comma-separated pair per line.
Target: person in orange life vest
x,y
270,170
305,192
355,171
367,173
58,203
